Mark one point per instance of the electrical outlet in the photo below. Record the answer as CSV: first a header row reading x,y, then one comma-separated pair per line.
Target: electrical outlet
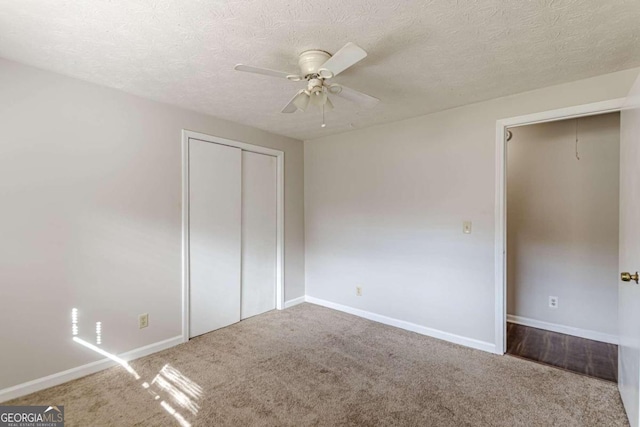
x,y
553,302
143,320
358,291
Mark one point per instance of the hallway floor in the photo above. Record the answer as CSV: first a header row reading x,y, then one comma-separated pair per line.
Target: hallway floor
x,y
580,355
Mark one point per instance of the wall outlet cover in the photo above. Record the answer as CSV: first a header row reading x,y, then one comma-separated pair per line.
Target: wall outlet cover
x,y
143,320
553,302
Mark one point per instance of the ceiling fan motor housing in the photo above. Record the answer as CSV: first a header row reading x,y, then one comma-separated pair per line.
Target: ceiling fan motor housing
x,y
311,61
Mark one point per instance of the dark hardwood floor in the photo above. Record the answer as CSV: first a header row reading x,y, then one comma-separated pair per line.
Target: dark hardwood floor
x,y
592,358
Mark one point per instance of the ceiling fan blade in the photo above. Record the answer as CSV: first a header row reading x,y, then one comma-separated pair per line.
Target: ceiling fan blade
x,y
353,95
292,106
349,55
267,72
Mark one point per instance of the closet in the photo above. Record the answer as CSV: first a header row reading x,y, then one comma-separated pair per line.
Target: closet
x,y
232,235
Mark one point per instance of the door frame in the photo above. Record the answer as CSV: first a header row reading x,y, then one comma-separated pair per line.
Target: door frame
x,y
279,155
576,111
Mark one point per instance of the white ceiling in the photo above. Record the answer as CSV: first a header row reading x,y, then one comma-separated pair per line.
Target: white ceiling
x,y
424,56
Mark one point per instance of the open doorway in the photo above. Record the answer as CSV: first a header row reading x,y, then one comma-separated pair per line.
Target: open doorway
x,y
562,188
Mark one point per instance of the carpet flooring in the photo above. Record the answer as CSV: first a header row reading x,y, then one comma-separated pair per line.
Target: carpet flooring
x,y
312,366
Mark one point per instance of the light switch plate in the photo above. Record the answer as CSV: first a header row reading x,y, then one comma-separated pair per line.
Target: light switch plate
x,y
466,227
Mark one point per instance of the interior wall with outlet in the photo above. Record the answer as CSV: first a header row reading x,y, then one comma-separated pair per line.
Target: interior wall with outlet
x,y
91,188
385,206
562,216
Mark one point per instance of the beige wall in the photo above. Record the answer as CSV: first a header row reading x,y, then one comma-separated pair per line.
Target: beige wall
x,y
90,181
384,208
562,216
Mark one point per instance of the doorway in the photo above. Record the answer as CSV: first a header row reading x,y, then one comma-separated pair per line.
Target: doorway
x,y
562,243
232,232
614,105
629,237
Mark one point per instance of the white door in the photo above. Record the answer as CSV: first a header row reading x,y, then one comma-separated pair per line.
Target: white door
x,y
214,235
258,233
629,292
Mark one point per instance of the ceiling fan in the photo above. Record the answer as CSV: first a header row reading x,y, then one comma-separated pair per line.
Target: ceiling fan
x,y
317,67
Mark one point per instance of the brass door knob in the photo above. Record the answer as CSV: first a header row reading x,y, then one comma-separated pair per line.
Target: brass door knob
x,y
627,277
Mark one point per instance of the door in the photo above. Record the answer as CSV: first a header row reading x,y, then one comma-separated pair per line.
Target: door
x,y
258,233
214,235
629,292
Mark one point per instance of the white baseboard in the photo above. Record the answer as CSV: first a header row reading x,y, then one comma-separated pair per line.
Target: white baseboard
x,y
435,333
84,370
568,330
294,301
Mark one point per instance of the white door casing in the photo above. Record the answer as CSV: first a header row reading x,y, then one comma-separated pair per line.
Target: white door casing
x,y
602,107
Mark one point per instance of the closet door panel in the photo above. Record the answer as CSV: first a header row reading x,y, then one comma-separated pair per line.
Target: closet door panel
x,y
258,233
215,173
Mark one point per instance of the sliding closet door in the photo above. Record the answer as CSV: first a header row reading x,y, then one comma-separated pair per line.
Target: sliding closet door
x,y
214,235
258,233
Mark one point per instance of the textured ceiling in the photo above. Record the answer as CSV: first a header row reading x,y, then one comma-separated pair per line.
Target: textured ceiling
x,y
424,56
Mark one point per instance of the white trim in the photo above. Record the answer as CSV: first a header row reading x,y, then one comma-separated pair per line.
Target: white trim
x,y
294,301
567,330
84,370
186,135
231,143
501,197
592,109
185,238
280,232
423,330
500,252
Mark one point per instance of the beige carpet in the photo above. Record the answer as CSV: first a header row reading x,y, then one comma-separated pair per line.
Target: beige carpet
x,y
309,366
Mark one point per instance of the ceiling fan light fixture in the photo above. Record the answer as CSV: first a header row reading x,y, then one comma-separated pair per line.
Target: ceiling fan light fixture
x,y
328,105
302,101
318,98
